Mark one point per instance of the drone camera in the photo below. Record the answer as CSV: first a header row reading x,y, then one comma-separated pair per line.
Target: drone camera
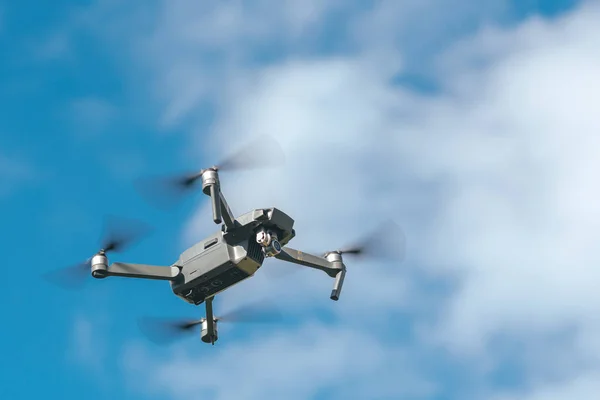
x,y
273,249
99,266
269,241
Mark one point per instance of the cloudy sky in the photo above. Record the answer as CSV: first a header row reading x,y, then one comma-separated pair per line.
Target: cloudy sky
x,y
471,124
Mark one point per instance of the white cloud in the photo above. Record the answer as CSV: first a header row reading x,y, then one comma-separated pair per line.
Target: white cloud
x,y
212,41
513,151
493,180
523,213
294,364
585,386
190,52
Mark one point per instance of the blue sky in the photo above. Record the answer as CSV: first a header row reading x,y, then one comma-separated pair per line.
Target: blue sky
x,y
96,94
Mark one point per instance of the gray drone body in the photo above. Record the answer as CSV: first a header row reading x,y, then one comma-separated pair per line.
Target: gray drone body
x,y
233,253
229,256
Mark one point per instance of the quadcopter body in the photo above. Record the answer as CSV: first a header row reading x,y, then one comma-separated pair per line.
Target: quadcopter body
x,y
229,256
233,253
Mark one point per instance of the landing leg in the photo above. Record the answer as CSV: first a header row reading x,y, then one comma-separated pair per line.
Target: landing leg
x,y
210,319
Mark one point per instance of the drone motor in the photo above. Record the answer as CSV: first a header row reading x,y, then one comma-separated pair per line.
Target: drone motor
x,y
209,178
99,265
206,334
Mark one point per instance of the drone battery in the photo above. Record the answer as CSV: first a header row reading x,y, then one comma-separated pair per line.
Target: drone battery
x,y
214,265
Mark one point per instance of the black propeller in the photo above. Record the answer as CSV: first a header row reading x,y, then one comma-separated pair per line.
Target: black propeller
x,y
119,234
386,242
262,152
164,330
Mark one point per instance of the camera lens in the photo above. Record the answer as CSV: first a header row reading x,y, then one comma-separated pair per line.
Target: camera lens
x,y
276,245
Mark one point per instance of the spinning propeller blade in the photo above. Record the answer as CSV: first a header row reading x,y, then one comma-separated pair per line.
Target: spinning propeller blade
x,y
262,152
167,191
386,242
161,330
69,277
119,235
122,233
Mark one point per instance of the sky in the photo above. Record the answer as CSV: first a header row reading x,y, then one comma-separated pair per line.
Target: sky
x,y
472,125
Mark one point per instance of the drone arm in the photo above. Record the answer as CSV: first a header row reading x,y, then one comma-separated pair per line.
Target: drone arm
x,y
128,270
228,217
332,266
308,260
220,208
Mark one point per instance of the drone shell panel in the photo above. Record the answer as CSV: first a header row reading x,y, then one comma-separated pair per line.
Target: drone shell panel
x,y
213,265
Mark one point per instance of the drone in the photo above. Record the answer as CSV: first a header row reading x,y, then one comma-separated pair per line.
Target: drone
x,y
232,254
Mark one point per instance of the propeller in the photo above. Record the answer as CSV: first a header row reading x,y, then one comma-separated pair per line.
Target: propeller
x,y
386,242
262,152
164,330
119,234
